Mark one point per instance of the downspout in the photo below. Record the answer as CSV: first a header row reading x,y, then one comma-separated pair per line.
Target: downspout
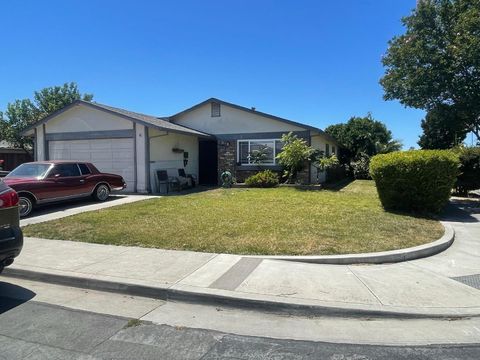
x,y
135,170
147,161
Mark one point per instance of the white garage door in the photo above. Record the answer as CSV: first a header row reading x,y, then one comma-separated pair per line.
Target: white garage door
x,y
115,156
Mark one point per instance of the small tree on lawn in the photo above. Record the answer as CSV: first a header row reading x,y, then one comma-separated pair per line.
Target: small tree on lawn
x,y
294,156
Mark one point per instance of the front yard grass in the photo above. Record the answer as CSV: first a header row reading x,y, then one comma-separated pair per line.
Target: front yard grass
x,y
252,221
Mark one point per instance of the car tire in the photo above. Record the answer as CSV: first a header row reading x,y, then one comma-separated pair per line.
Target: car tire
x,y
25,204
101,192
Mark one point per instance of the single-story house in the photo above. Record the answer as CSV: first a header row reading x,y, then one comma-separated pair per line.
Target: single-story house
x,y
11,156
205,140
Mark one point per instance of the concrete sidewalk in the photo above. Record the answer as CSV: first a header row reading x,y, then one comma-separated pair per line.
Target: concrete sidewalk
x,y
445,285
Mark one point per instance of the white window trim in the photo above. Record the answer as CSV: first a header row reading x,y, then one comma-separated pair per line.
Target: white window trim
x,y
263,140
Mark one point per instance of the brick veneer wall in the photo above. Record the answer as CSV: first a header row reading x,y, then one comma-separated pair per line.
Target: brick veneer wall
x,y
227,157
227,160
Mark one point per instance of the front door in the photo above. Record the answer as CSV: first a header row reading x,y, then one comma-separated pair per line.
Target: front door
x,y
207,162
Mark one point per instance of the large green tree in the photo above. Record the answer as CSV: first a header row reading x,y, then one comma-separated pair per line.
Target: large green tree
x,y
443,128
22,113
363,135
437,62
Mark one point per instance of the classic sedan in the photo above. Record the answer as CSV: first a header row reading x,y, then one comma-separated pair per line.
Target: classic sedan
x,y
11,237
51,181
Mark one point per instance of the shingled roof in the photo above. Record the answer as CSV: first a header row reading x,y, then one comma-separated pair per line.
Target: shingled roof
x,y
148,120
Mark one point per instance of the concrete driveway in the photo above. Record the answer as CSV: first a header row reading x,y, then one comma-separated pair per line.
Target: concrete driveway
x,y
60,210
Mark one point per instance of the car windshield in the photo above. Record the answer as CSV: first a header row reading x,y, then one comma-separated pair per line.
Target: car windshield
x,y
36,171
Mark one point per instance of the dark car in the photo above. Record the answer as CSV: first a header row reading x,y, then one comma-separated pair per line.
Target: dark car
x,y
11,238
43,182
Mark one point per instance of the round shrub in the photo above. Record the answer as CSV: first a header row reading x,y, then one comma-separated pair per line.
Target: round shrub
x,y
416,180
263,179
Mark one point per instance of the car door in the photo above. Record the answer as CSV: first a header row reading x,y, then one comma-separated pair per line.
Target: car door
x,y
68,181
88,179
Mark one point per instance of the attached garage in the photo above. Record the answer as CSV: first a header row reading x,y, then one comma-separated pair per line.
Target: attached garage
x,y
114,156
117,141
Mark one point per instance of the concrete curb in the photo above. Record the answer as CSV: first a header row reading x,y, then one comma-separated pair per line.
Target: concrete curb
x,y
393,256
241,300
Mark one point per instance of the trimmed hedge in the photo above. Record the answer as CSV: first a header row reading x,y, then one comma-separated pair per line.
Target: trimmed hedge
x,y
263,179
416,180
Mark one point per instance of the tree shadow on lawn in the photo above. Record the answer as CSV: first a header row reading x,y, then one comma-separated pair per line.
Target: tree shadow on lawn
x,y
452,212
334,186
194,190
338,185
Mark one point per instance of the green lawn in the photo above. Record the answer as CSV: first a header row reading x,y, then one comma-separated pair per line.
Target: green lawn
x,y
251,221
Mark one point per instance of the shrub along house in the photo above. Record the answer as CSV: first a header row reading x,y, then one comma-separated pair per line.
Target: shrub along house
x,y
205,140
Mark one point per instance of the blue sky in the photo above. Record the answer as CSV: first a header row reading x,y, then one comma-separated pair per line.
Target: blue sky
x,y
316,62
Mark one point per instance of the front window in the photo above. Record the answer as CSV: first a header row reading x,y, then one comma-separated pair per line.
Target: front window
x,y
258,152
29,170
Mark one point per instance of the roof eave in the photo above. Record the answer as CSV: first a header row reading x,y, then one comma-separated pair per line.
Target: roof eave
x,y
291,122
28,130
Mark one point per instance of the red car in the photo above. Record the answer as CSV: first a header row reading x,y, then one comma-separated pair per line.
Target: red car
x,y
11,237
51,181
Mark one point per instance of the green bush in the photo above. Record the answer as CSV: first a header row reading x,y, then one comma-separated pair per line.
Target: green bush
x,y
263,179
416,180
469,178
360,167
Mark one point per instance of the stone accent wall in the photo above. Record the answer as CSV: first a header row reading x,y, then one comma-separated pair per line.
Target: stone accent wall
x,y
227,157
227,160
303,177
241,176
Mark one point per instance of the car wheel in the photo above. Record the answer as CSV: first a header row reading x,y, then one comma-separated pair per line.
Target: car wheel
x,y
101,193
25,204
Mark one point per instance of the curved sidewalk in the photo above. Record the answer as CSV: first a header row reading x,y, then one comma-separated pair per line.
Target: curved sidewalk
x,y
445,285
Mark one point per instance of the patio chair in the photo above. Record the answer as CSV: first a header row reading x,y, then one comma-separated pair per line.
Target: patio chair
x,y
185,181
162,181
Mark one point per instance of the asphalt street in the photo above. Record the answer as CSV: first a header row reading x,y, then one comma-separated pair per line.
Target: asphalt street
x,y
35,330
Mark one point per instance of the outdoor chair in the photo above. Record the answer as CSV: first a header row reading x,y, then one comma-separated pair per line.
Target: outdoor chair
x,y
162,182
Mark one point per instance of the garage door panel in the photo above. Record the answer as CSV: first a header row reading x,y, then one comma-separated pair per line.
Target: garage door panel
x,y
80,155
59,154
101,144
79,146
114,156
122,144
123,155
102,155
121,165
